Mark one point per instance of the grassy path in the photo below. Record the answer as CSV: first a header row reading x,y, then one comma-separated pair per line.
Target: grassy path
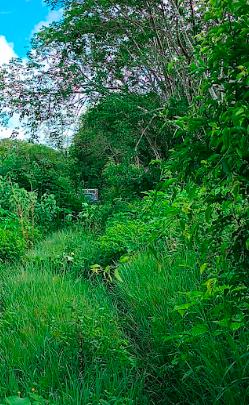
x,y
66,339
60,338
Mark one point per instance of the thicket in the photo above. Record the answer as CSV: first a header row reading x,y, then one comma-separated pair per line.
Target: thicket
x,y
40,168
37,195
165,139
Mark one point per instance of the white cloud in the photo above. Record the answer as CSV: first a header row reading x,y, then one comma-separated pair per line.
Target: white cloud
x,y
53,16
6,50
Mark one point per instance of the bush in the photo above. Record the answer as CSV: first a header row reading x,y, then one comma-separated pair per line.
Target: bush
x,y
12,243
46,212
94,216
127,181
41,168
34,216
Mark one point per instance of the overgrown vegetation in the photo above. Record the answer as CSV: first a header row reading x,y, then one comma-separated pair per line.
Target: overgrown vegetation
x,y
141,298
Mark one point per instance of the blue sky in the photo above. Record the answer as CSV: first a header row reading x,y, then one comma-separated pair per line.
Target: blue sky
x,y
18,20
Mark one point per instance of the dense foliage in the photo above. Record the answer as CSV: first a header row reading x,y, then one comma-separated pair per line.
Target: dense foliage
x,y
141,298
41,169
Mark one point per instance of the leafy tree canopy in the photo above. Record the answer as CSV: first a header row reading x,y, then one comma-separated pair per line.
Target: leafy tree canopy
x,y
100,47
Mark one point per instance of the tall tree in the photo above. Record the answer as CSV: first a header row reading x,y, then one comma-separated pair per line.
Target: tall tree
x,y
103,46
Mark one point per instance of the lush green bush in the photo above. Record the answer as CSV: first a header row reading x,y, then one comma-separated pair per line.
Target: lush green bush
x,y
47,212
128,181
12,242
214,221
23,218
41,169
94,216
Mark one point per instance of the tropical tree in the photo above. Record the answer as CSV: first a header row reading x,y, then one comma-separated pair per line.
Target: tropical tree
x,y
100,47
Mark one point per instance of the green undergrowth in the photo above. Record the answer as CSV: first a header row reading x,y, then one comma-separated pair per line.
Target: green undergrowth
x,y
142,297
71,250
60,338
156,334
191,356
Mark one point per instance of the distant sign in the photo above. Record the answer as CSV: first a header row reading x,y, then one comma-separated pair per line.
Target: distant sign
x,y
91,194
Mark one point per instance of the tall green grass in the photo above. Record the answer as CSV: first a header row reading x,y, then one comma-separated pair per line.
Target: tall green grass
x,y
73,339
70,251
60,336
187,359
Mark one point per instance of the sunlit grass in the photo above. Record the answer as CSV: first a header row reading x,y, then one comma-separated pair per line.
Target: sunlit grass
x,y
61,338
198,368
77,340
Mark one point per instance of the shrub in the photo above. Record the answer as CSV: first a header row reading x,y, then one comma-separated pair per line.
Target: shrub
x,y
41,168
47,211
12,243
124,180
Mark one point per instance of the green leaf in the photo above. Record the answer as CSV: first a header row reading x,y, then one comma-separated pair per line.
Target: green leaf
x,y
198,330
169,338
183,308
169,182
117,276
203,267
208,213
17,401
96,268
236,325
124,259
210,284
